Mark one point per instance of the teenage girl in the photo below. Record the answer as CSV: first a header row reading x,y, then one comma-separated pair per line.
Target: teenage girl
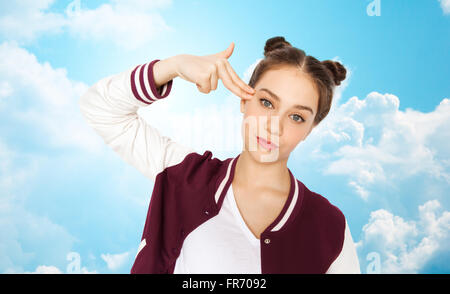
x,y
244,214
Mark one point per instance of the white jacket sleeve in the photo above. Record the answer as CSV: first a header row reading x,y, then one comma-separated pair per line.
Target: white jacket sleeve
x,y
347,262
110,108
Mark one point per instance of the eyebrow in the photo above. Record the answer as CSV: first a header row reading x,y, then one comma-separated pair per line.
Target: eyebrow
x,y
301,107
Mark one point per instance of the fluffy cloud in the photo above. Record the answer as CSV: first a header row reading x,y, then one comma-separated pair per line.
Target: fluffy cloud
x,y
21,228
26,20
115,261
373,142
44,269
43,98
445,5
38,101
126,23
28,237
407,246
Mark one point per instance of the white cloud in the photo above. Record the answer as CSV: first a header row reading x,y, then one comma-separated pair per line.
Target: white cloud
x,y
27,237
44,269
19,227
39,102
115,261
406,246
5,89
43,97
129,24
373,142
445,5
11,175
28,19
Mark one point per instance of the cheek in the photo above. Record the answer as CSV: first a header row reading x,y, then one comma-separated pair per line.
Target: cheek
x,y
293,135
254,115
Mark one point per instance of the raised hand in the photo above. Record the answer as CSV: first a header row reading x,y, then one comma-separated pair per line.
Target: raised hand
x,y
205,71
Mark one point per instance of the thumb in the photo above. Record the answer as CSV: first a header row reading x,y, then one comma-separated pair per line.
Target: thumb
x,y
227,52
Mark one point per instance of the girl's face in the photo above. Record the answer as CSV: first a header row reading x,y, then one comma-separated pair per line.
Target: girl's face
x,y
281,111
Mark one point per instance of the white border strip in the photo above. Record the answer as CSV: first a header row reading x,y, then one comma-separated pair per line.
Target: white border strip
x,y
141,246
222,184
289,210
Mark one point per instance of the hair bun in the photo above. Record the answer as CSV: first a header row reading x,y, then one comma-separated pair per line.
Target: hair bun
x,y
337,70
275,43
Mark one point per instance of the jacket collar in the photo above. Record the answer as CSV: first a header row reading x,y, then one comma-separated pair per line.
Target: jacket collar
x,y
290,208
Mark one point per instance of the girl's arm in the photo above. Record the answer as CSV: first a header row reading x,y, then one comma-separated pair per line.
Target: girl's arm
x,y
347,262
110,108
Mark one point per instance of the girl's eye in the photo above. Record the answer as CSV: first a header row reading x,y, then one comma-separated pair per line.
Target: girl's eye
x,y
300,119
265,102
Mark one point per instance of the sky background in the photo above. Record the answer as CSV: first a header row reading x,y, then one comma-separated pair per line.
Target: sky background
x,y
68,203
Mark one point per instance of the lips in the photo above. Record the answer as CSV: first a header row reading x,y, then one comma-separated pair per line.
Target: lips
x,y
266,144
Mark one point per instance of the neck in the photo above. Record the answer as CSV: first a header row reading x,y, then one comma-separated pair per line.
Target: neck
x,y
271,175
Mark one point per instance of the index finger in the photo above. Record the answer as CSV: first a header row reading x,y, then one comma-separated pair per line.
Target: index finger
x,y
238,80
230,84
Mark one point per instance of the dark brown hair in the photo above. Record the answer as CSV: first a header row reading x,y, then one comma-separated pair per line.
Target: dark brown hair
x,y
325,75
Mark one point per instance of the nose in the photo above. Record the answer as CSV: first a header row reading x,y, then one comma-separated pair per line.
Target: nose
x,y
274,126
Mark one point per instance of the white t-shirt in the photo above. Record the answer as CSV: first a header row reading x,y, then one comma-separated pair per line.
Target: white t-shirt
x,y
239,250
226,233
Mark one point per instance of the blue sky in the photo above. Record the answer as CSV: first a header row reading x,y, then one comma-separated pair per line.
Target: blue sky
x,y
67,201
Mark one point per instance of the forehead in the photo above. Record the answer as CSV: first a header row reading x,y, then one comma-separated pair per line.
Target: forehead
x,y
292,85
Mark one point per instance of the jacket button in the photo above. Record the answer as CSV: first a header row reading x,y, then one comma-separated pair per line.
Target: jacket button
x,y
206,212
267,241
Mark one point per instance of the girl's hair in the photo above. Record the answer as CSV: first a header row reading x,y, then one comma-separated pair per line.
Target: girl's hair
x,y
325,75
